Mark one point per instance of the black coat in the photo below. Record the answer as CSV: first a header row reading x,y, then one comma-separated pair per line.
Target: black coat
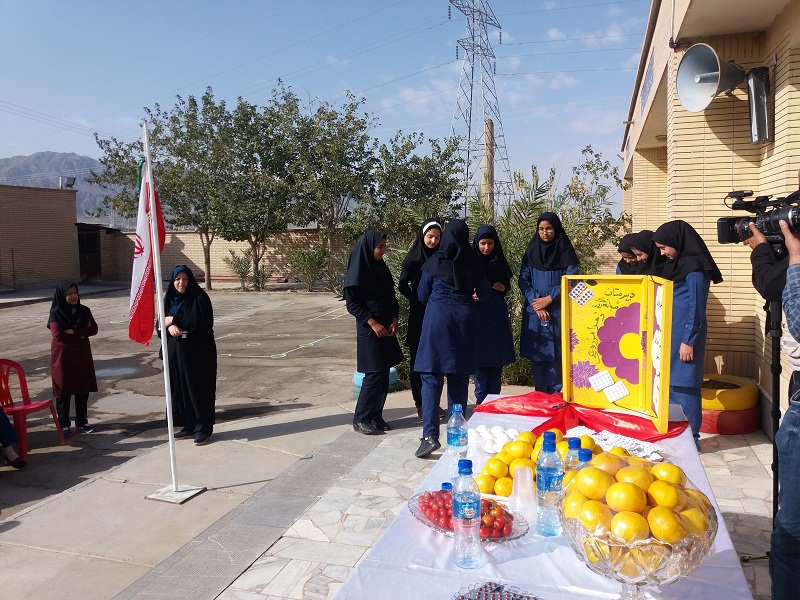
x,y
373,353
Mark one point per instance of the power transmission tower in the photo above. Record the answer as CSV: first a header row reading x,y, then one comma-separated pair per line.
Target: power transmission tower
x,y
476,119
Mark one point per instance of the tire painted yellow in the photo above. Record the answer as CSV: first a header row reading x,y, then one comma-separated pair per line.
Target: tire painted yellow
x,y
743,397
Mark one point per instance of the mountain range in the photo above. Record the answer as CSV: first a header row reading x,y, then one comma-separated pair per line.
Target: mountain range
x,y
44,169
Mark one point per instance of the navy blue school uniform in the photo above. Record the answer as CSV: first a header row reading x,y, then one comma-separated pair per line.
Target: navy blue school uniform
x,y
369,293
496,342
691,272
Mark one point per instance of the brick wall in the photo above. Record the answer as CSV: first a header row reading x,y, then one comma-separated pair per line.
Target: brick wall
x,y
38,238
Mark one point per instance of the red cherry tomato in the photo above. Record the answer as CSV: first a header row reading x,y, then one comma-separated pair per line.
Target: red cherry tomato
x,y
499,523
485,533
507,530
495,534
487,520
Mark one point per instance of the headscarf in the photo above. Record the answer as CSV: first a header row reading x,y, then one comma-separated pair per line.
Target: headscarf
x,y
419,252
553,255
173,299
495,266
454,261
622,265
693,254
363,271
655,263
70,316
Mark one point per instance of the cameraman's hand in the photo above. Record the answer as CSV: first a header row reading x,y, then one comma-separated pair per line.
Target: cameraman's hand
x,y
757,237
792,243
686,352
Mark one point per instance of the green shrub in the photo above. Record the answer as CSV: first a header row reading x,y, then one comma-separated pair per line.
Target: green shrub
x,y
309,264
240,265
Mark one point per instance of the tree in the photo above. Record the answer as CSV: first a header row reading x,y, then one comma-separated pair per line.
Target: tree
x,y
335,165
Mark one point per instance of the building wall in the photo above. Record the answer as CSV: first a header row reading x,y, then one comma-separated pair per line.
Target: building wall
x,y
649,207
38,238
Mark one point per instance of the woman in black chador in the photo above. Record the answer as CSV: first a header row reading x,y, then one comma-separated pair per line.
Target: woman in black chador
x,y
192,351
370,298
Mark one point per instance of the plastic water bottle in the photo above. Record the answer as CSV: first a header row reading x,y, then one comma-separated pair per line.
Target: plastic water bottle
x,y
571,458
549,476
457,440
546,436
584,458
447,487
467,546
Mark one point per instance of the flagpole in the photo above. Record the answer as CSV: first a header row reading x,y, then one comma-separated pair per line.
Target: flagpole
x,y
156,253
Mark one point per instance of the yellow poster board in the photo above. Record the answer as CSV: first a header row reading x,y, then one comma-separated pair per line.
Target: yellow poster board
x,y
615,332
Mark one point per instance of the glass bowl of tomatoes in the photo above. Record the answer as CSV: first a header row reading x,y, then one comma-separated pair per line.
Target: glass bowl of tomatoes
x,y
498,524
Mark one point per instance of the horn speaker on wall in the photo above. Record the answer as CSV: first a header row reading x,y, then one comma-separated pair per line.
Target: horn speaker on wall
x,y
701,76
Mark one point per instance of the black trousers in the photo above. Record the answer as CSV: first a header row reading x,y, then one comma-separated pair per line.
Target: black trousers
x,y
62,409
372,397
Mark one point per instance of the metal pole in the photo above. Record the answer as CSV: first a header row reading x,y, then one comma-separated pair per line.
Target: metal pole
x,y
156,254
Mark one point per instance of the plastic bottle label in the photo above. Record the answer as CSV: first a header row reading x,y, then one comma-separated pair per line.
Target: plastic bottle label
x,y
466,510
548,481
457,438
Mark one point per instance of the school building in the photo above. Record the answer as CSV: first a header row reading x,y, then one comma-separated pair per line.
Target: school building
x,y
692,136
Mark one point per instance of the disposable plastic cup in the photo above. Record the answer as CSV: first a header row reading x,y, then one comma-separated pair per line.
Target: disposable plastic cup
x,y
522,496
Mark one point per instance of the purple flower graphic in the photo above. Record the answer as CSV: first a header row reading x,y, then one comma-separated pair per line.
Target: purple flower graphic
x,y
573,340
581,371
624,321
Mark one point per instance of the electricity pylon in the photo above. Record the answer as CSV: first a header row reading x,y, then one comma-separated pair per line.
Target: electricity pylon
x,y
476,119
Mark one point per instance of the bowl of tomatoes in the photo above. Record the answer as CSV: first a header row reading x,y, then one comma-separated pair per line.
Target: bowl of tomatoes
x,y
498,524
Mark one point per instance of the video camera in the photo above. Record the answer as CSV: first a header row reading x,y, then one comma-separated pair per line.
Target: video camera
x,y
732,230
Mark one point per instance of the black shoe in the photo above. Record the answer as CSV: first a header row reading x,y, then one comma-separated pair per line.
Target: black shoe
x,y
18,463
200,439
183,434
379,423
442,414
367,429
427,446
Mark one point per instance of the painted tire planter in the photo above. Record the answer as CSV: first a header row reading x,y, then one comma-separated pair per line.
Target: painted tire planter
x,y
394,387
358,377
731,422
728,392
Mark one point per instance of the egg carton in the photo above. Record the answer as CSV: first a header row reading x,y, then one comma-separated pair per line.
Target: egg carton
x,y
493,591
606,439
492,438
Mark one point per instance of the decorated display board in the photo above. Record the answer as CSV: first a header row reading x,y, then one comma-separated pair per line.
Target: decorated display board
x,y
615,332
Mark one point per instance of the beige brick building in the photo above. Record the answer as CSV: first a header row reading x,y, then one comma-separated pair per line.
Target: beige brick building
x,y
681,164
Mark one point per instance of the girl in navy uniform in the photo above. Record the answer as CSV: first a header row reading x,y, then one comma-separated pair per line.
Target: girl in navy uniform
x,y
449,341
691,268
548,257
370,298
651,262
425,245
495,339
628,263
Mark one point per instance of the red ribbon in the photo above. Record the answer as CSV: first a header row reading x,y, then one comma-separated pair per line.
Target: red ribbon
x,y
566,415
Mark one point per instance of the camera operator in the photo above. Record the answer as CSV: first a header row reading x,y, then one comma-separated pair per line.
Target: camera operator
x,y
785,544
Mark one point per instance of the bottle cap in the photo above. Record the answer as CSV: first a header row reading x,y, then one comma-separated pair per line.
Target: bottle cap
x,y
465,466
574,443
549,445
446,485
457,408
584,455
549,436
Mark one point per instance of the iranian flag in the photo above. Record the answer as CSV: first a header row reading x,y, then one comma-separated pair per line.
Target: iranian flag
x,y
143,309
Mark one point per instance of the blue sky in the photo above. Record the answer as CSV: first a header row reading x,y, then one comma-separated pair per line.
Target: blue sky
x,y
564,71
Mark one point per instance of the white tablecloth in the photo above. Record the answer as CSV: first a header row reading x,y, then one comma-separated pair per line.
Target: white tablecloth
x,y
412,561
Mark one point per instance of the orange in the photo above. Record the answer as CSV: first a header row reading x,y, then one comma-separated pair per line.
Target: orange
x,y
695,520
663,493
496,467
624,496
630,526
666,525
562,448
638,461
637,475
527,436
593,482
595,516
619,451
506,457
559,434
573,502
698,499
587,441
519,449
521,462
503,486
485,483
668,472
611,463
569,477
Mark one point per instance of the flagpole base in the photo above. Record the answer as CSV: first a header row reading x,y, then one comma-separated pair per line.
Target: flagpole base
x,y
169,495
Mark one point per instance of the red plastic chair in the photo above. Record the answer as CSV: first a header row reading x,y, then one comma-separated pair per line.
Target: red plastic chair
x,y
20,411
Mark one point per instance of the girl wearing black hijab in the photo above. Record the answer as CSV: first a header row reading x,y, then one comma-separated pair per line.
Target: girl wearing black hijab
x,y
449,343
192,351
495,342
628,263
71,364
369,296
691,267
651,262
548,257
426,244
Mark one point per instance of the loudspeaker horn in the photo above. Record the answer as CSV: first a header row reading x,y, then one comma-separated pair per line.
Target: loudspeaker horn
x,y
701,76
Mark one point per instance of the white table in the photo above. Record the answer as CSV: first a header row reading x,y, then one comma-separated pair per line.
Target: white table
x,y
412,561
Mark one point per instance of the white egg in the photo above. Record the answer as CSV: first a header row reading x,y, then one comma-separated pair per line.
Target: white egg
x,y
512,433
489,447
498,429
486,434
481,428
472,434
500,440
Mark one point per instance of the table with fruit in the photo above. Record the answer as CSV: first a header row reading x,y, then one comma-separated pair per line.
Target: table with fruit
x,y
618,502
